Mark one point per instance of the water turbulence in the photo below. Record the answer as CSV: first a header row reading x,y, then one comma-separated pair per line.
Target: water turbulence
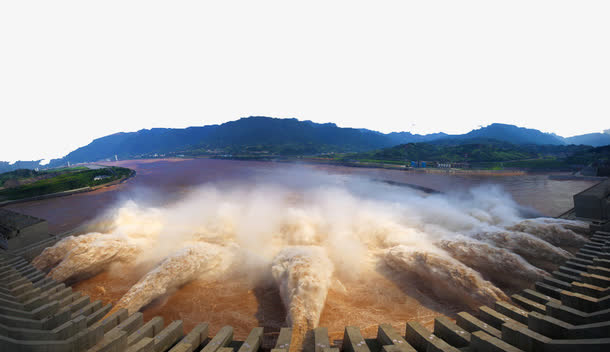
x,y
87,258
445,275
526,245
189,263
51,256
558,232
300,231
303,275
493,263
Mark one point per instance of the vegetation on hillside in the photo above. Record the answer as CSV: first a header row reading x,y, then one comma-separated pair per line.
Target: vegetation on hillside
x,y
473,152
24,176
63,180
287,137
489,154
261,137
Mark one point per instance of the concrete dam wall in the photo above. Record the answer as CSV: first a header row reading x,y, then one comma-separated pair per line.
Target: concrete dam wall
x,y
568,311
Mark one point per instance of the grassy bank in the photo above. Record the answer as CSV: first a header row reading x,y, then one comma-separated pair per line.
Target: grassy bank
x,y
65,180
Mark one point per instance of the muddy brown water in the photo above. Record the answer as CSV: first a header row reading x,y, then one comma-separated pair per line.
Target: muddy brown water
x,y
230,301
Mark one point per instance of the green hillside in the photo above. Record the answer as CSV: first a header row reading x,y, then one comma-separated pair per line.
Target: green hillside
x,y
61,180
488,154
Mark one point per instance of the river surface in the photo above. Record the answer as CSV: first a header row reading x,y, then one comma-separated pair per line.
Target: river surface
x,y
364,301
166,180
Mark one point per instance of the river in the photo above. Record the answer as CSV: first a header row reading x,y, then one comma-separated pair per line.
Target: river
x,y
234,299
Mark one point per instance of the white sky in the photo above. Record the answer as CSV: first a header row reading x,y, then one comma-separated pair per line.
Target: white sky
x,y
72,71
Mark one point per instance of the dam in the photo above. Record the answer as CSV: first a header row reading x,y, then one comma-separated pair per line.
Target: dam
x,y
565,311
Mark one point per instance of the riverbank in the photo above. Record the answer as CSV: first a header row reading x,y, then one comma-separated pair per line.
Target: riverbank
x,y
162,181
131,174
379,165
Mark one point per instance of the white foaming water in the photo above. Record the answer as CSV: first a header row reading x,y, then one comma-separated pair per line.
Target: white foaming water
x,y
526,245
303,275
189,263
445,275
555,231
87,258
51,256
324,227
493,263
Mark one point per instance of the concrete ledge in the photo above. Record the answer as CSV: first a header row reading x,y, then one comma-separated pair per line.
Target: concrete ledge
x,y
472,324
70,298
223,338
557,329
482,342
597,345
528,304
79,304
423,340
255,339
585,256
98,314
183,347
562,285
321,339
284,339
581,261
520,336
574,316
548,326
193,339
584,303
598,270
150,329
131,324
353,340
387,336
172,333
451,333
113,320
88,309
538,297
115,340
548,290
493,317
597,280
604,263
144,345
570,271
590,290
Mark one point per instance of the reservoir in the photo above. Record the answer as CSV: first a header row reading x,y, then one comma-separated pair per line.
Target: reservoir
x,y
374,237
168,179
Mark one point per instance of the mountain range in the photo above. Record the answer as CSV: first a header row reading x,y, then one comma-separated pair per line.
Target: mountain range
x,y
287,136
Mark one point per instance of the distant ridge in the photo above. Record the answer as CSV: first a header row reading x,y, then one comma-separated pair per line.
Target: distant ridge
x,y
593,139
514,134
288,136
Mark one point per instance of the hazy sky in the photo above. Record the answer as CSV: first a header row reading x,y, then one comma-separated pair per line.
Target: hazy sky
x,y
72,71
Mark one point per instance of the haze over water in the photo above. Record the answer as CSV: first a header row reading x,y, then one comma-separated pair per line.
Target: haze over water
x,y
335,247
163,180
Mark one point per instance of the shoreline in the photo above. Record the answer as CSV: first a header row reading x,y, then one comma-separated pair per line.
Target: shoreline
x,y
132,164
366,165
68,192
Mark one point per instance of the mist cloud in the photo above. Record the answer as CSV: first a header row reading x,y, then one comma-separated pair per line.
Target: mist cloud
x,y
300,229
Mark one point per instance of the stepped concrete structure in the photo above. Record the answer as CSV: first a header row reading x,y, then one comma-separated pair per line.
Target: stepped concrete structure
x,y
20,230
594,202
568,311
